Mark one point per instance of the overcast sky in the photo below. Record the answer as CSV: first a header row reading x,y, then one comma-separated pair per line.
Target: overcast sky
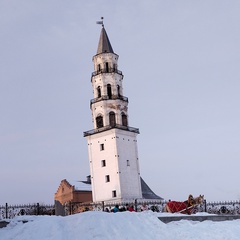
x,y
180,61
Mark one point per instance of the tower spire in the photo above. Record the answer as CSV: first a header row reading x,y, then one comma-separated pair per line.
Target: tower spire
x,y
104,45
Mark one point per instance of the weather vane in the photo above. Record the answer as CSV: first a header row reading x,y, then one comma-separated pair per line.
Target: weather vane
x,y
101,22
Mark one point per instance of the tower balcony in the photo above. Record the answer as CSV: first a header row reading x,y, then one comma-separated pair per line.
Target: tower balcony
x,y
105,128
105,97
106,70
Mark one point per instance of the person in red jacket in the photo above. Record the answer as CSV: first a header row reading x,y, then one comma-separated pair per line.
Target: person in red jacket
x,y
131,209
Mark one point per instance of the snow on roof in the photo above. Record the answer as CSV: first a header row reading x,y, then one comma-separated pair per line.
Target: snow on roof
x,y
80,186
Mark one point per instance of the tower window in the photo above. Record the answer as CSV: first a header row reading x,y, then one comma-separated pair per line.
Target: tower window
x,y
107,67
107,178
99,68
101,147
114,67
99,92
103,163
112,119
128,163
99,121
109,91
124,119
114,193
118,90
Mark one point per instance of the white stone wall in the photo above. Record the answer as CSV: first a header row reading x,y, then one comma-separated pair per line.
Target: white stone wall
x,y
108,78
126,143
119,146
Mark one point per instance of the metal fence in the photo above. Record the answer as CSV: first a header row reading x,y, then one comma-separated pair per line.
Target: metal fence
x,y
10,211
230,207
69,208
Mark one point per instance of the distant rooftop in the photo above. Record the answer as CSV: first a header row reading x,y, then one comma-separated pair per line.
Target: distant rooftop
x,y
81,186
147,192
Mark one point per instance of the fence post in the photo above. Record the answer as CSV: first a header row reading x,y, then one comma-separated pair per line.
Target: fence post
x,y
38,209
135,205
205,205
103,206
6,209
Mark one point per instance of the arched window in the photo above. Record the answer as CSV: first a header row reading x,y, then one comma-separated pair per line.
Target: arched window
x,y
99,91
109,91
124,119
99,68
107,67
112,119
118,90
99,121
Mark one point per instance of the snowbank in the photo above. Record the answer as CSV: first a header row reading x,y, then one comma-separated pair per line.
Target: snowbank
x,y
116,226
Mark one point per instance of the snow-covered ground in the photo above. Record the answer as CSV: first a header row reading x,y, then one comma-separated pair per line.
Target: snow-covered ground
x,y
116,226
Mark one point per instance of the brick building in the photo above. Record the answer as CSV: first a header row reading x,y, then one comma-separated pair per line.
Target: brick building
x,y
72,191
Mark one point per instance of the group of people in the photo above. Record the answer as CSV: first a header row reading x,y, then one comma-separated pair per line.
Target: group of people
x,y
127,207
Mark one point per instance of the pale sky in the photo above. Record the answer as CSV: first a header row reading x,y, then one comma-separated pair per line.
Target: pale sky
x,y
180,61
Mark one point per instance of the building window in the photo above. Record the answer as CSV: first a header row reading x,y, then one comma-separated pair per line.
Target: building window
x,y
107,178
101,147
124,119
103,162
107,67
118,90
128,163
109,91
99,92
99,68
99,121
112,119
114,193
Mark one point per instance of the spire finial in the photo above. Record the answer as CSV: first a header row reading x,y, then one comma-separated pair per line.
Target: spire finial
x,y
101,22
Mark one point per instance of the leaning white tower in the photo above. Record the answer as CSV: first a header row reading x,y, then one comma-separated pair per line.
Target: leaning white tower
x,y
112,144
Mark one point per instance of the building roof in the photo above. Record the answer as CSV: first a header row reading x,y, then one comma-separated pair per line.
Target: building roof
x,y
80,185
104,45
147,193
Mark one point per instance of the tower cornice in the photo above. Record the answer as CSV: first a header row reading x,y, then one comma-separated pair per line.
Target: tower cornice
x,y
105,97
108,127
106,71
